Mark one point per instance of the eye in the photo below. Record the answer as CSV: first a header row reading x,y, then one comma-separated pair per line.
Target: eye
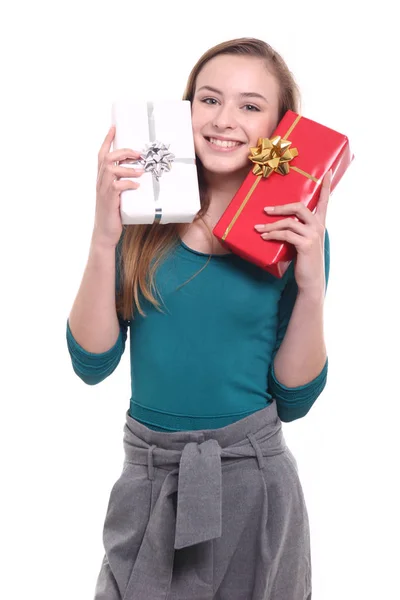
x,y
209,100
252,108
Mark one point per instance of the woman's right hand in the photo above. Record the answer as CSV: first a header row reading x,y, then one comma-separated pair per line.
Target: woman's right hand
x,y
108,225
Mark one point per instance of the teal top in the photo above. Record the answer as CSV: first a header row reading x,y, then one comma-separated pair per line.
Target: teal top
x,y
207,360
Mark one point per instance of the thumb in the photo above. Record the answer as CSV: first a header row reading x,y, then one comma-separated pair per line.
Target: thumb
x,y
323,201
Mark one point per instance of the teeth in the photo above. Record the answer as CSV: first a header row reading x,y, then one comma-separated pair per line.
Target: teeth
x,y
223,143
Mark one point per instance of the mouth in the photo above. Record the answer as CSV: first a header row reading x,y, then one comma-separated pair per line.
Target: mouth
x,y
223,145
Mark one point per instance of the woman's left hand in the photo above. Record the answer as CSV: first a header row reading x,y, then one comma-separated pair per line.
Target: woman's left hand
x,y
307,236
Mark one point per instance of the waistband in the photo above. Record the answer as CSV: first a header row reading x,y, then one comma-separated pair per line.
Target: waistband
x,y
171,422
195,456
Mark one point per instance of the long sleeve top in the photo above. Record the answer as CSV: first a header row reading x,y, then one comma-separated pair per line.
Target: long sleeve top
x,y
207,360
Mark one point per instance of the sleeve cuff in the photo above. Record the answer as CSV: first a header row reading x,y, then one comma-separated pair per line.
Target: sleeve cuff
x,y
93,367
78,350
295,402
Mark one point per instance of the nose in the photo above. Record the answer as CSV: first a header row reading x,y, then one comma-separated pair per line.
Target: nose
x,y
224,118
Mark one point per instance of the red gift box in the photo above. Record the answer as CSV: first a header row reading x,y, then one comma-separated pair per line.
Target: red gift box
x,y
289,167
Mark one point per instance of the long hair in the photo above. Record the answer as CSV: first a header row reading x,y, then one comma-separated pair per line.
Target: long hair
x,y
144,247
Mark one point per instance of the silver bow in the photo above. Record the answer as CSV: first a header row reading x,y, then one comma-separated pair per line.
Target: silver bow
x,y
156,158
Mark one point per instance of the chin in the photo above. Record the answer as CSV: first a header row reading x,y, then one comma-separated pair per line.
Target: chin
x,y
224,164
225,172
222,168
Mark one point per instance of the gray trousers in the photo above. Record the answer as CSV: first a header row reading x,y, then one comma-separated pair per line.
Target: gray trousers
x,y
207,515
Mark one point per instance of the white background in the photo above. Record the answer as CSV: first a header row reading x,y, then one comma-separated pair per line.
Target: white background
x,y
62,64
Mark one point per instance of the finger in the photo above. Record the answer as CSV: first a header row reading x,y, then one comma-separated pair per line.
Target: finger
x,y
106,145
109,173
121,172
112,159
119,185
286,236
123,154
296,208
292,224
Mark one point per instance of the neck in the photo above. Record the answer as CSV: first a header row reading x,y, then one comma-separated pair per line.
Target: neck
x,y
222,189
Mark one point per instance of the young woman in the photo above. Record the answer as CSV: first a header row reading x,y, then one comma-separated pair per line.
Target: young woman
x,y
209,504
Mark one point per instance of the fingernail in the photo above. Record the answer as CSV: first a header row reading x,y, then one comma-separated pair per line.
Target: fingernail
x,y
269,208
258,227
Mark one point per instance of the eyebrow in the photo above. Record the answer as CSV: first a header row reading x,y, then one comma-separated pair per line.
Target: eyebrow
x,y
242,95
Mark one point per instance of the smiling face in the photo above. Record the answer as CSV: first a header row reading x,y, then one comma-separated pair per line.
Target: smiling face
x,y
236,101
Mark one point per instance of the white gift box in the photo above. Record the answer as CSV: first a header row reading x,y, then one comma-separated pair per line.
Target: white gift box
x,y
174,196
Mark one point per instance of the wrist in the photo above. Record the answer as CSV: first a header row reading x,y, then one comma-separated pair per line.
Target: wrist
x,y
98,242
312,295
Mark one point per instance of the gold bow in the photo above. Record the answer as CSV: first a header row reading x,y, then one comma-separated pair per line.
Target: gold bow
x,y
272,155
